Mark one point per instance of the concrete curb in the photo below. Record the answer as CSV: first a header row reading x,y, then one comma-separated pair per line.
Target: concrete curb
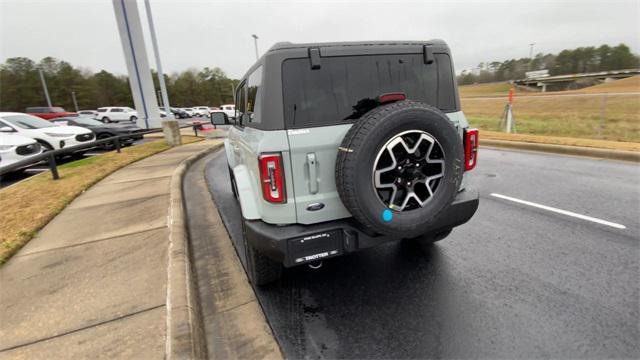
x,y
185,334
234,322
564,149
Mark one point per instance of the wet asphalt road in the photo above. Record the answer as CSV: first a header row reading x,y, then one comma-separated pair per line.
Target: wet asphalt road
x,y
516,281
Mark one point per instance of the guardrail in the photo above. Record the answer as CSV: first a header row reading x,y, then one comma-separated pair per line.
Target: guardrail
x,y
50,156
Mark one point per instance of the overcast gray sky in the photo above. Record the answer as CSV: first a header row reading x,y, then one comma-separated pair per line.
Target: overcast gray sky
x,y
218,33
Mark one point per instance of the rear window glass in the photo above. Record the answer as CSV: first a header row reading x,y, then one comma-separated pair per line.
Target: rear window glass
x,y
327,96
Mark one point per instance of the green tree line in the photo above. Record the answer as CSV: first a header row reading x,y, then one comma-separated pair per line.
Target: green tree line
x,y
20,86
570,61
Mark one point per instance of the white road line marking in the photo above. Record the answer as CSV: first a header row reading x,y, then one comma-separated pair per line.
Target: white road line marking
x,y
560,211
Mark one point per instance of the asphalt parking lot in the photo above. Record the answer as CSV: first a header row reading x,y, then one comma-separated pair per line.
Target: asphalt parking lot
x,y
548,267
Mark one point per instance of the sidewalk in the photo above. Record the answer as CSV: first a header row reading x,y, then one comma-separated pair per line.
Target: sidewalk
x,y
93,282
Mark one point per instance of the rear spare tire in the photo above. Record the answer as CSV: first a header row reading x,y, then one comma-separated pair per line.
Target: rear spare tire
x,y
399,167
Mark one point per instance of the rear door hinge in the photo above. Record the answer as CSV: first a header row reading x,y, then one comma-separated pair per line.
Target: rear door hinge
x,y
427,53
314,58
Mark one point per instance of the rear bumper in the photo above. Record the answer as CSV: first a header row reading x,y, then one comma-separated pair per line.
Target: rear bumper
x,y
298,244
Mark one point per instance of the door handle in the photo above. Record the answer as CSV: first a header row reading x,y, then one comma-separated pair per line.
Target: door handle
x,y
312,163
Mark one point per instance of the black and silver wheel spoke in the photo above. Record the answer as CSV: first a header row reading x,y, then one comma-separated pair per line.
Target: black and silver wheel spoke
x,y
408,170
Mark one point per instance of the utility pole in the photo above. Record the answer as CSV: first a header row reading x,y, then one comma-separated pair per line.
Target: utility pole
x,y
255,42
75,102
154,41
44,86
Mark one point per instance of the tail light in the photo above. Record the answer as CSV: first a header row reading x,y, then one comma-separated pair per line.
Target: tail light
x,y
391,97
272,178
470,149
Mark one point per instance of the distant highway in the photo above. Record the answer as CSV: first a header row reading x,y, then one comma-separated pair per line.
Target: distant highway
x,y
550,95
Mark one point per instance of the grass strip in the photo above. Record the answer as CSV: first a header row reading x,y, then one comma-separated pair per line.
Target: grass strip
x,y
29,205
557,140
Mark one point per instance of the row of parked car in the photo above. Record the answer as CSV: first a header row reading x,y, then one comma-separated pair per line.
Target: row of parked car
x,y
23,135
43,128
116,114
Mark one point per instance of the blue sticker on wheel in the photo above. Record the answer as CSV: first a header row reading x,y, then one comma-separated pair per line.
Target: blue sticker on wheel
x,y
387,215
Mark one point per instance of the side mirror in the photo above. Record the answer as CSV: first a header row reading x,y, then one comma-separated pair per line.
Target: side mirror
x,y
6,129
219,118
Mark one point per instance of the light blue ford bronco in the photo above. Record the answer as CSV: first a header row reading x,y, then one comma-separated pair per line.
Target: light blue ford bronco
x,y
337,147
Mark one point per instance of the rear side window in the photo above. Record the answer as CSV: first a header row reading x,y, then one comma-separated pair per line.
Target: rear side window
x,y
116,110
241,101
446,88
254,82
326,96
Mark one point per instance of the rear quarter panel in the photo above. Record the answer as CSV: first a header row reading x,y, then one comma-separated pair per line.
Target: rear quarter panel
x,y
246,144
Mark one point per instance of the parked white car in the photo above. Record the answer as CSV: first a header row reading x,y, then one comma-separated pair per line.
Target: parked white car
x,y
116,114
189,111
88,113
14,148
229,109
201,110
49,135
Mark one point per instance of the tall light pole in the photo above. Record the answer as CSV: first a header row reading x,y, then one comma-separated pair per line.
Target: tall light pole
x,y
531,55
44,87
255,42
233,93
75,102
156,51
531,50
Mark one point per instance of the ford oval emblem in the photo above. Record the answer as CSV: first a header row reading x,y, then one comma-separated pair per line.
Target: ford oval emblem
x,y
315,207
